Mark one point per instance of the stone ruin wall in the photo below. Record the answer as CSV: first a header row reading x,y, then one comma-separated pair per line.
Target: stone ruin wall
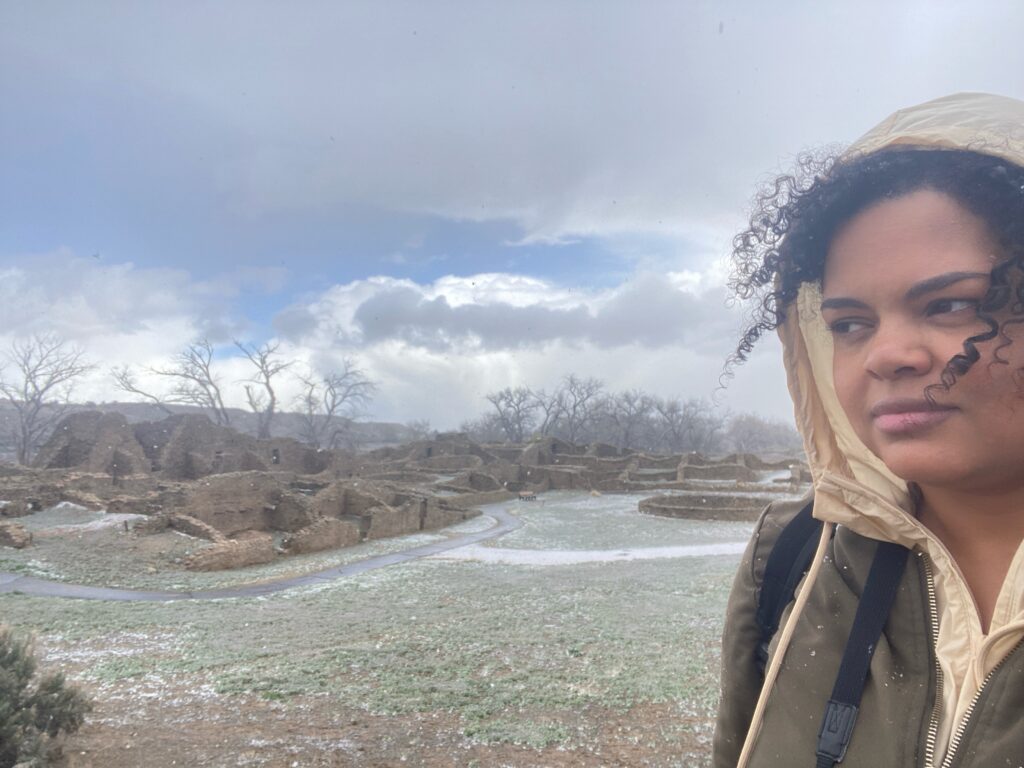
x,y
233,490
325,533
225,508
232,553
14,535
707,507
195,528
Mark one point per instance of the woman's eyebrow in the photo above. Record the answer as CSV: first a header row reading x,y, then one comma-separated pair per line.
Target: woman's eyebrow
x,y
842,302
939,282
915,291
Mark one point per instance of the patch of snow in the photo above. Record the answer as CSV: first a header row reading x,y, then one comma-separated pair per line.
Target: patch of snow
x,y
117,645
69,505
499,556
107,521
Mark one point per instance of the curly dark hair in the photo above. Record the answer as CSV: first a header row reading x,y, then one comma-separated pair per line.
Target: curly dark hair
x,y
797,215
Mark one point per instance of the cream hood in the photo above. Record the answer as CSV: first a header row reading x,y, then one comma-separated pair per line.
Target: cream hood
x,y
853,487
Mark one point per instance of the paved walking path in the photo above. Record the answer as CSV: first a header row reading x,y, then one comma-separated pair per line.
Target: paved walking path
x,y
29,585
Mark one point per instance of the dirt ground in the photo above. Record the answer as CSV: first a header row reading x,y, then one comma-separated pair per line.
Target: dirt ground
x,y
306,733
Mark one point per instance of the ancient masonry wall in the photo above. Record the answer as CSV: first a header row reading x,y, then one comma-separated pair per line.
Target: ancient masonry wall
x,y
14,535
709,507
326,533
224,555
196,527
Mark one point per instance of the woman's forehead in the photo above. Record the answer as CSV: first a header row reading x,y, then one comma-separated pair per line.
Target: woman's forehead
x,y
912,237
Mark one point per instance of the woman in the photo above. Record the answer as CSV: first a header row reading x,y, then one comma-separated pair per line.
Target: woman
x,y
895,278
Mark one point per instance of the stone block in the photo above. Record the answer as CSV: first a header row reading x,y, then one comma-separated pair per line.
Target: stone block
x,y
15,509
229,554
326,533
14,535
389,521
195,527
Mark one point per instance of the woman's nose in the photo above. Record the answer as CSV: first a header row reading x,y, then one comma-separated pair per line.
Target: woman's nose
x,y
897,352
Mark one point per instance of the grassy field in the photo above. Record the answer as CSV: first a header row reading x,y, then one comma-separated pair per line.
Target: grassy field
x,y
416,664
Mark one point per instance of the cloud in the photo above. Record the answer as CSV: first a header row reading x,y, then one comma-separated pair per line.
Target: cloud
x,y
434,348
406,315
437,348
295,322
448,388
605,149
245,280
565,120
119,313
84,297
494,312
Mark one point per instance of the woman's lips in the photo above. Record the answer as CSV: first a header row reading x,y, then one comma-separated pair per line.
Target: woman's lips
x,y
902,418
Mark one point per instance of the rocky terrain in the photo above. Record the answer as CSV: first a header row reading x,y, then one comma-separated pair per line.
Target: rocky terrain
x,y
251,501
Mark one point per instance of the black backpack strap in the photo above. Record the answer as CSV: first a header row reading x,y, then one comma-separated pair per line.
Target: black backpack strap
x,y
872,612
787,563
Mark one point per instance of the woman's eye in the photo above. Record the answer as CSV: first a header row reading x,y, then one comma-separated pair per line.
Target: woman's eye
x,y
847,326
949,306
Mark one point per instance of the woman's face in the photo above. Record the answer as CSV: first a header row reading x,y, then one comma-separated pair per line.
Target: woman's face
x,y
901,284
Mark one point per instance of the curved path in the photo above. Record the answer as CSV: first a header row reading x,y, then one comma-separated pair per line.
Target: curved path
x,y
29,585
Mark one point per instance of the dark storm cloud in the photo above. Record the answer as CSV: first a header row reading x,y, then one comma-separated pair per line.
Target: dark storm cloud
x,y
403,313
651,312
224,121
295,323
647,312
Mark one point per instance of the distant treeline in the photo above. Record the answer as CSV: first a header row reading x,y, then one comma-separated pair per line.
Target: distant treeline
x,y
582,410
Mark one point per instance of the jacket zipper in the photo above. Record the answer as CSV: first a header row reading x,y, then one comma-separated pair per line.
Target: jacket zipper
x,y
933,726
958,734
933,616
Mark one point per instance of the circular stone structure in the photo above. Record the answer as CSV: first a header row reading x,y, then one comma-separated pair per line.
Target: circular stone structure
x,y
710,506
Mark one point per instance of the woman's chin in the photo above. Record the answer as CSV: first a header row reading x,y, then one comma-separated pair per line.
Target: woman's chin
x,y
925,468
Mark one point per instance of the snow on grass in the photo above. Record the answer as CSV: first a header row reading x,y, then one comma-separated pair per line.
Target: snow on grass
x,y
61,516
106,521
574,521
114,645
485,554
514,654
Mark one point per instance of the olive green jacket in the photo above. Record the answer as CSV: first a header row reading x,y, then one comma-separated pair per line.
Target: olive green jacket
x,y
896,709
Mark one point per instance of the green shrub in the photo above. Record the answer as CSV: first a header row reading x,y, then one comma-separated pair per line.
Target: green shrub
x,y
34,712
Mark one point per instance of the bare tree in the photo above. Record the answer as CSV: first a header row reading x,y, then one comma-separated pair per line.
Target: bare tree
x,y
259,391
751,433
124,379
514,409
328,403
39,388
486,429
580,396
550,407
193,381
692,425
419,429
630,412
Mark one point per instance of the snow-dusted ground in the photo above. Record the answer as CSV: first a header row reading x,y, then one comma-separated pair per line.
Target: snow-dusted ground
x,y
485,554
570,528
69,518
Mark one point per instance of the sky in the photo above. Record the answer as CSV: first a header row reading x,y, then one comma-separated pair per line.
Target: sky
x,y
458,196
